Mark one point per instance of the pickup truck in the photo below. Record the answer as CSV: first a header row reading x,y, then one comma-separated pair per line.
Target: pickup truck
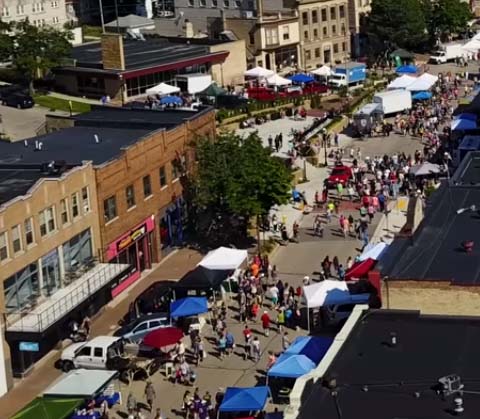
x,y
340,173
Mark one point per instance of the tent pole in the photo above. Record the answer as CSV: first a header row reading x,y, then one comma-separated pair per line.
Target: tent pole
x,y
308,318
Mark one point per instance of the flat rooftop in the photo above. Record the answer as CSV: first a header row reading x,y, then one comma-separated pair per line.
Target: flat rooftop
x,y
378,381
140,54
468,173
435,252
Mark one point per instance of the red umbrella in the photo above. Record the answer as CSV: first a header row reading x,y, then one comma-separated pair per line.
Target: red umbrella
x,y
163,337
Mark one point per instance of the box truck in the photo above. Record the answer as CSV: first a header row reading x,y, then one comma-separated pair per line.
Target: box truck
x,y
348,74
448,52
394,101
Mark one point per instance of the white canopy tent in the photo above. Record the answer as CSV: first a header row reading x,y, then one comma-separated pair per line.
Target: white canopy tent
x,y
424,82
81,382
425,169
472,46
162,89
324,71
224,258
402,82
373,251
259,72
277,80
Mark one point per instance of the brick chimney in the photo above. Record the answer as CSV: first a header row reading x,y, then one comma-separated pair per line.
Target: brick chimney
x,y
112,52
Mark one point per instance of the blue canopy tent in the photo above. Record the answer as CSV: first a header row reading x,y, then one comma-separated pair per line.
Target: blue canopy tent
x,y
422,96
301,78
291,366
463,125
314,348
248,399
470,116
406,69
188,306
171,100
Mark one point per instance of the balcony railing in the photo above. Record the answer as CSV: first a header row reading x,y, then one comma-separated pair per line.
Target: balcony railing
x,y
53,308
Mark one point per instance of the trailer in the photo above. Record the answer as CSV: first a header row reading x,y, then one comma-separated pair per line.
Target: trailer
x,y
394,101
448,52
366,119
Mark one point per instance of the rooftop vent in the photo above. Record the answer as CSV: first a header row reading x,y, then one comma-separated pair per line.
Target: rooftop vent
x,y
449,385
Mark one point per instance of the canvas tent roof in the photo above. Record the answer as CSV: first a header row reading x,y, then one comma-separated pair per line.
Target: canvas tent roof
x,y
424,82
424,169
402,82
49,408
402,53
81,383
238,399
224,258
313,347
324,71
162,89
373,251
188,306
325,293
461,124
301,78
277,80
213,90
291,366
203,278
259,72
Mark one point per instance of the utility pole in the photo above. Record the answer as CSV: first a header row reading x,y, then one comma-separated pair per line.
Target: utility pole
x,y
116,16
102,20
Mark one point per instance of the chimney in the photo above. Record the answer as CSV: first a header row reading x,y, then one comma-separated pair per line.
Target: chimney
x,y
260,9
112,52
188,29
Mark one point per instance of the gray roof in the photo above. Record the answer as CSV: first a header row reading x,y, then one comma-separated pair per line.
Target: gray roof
x,y
130,21
85,383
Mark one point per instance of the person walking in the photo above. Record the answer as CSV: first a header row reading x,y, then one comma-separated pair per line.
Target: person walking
x,y
131,403
150,395
281,320
265,323
285,341
256,349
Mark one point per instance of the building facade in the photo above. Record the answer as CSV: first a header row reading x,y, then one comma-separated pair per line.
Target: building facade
x,y
358,10
324,32
54,13
46,235
272,39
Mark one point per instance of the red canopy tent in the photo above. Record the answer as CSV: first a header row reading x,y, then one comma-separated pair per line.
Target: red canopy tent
x,y
360,269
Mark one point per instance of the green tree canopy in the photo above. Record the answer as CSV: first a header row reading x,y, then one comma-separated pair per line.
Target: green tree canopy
x,y
449,17
238,176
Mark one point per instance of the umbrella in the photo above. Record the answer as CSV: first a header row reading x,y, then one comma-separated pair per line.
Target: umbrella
x,y
410,69
171,100
163,337
422,96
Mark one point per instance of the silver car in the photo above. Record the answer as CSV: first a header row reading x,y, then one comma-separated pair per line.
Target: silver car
x,y
139,328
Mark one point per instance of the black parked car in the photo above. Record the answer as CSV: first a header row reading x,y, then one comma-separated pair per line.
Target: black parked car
x,y
19,100
7,89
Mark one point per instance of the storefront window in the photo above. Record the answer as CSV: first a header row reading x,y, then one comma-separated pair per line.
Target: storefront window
x,y
22,288
172,224
77,250
51,272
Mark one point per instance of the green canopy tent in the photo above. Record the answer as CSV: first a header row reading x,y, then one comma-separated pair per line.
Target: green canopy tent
x,y
402,56
49,408
213,91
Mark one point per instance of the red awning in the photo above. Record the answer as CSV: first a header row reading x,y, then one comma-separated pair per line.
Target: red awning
x,y
163,337
360,269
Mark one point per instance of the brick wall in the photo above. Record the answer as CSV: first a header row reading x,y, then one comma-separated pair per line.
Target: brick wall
x,y
112,52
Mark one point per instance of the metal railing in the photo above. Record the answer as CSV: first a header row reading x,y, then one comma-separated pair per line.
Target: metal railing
x,y
82,288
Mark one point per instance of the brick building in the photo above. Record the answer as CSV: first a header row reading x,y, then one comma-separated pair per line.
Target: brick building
x,y
125,206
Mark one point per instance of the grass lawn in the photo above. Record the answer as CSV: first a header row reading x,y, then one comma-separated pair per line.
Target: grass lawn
x,y
54,103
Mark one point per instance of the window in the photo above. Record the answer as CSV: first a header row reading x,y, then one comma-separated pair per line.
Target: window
x,y
47,221
20,9
324,15
163,177
325,31
335,48
3,246
315,33
54,4
5,12
147,186
251,38
271,36
55,19
85,351
77,250
130,196
314,16
203,3
317,52
214,3
64,211
190,3
21,288
141,327
250,5
334,30
75,209
286,33
110,208
344,46
305,18
17,239
341,11
28,226
333,13
98,352
85,200
238,4
175,169
305,35
226,4
307,54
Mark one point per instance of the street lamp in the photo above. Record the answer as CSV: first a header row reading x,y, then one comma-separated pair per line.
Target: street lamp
x,y
470,208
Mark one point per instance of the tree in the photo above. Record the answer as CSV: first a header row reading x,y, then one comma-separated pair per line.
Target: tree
x,y
400,23
238,176
33,50
448,17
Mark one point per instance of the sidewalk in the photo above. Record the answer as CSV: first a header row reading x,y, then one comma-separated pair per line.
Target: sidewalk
x,y
75,98
174,266
389,225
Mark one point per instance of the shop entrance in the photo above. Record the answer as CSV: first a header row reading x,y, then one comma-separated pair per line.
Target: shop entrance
x,y
172,226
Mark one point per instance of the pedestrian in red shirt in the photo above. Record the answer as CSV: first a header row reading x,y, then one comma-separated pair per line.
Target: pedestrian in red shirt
x,y
265,322
247,333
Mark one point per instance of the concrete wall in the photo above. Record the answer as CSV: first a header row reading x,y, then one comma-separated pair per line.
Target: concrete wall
x,y
232,70
54,13
431,297
141,159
